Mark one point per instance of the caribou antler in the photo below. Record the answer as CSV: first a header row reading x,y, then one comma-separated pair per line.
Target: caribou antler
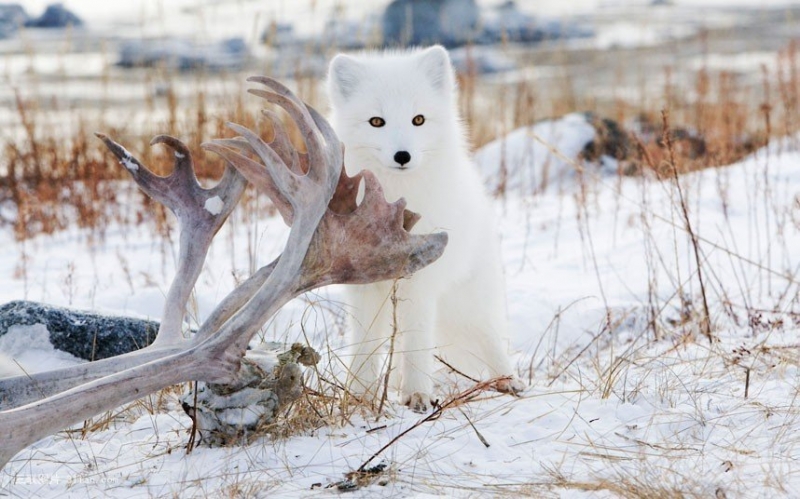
x,y
332,240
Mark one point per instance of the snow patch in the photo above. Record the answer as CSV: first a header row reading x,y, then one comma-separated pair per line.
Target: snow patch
x,y
129,164
29,347
128,161
214,205
536,157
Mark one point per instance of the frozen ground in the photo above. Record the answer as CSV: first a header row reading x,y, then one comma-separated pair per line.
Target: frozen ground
x,y
626,398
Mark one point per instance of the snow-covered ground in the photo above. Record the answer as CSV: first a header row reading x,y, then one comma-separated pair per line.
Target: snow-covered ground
x,y
627,397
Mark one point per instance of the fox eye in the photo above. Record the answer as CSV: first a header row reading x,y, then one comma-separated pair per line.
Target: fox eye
x,y
418,120
377,122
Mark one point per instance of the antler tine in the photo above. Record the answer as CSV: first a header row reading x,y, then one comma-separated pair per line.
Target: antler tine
x,y
254,172
229,190
235,143
410,219
304,122
277,87
425,249
373,192
183,169
146,179
334,147
284,179
328,135
283,146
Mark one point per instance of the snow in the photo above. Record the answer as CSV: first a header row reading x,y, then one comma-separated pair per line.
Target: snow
x,y
537,157
214,205
31,349
587,264
128,161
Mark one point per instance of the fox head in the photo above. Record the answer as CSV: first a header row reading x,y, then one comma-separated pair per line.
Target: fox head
x,y
394,111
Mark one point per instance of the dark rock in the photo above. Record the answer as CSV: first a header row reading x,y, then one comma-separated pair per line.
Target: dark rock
x,y
611,139
87,335
688,147
55,16
421,22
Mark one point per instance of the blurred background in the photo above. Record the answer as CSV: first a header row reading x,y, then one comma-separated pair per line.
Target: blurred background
x,y
725,70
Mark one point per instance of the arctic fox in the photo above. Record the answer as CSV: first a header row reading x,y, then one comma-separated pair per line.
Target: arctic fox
x,y
396,113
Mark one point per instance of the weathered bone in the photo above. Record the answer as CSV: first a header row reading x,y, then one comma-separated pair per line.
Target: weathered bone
x,y
332,240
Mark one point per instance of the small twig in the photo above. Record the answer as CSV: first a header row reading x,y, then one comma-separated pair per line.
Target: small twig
x,y
480,437
455,401
583,350
193,432
706,322
385,394
449,366
746,382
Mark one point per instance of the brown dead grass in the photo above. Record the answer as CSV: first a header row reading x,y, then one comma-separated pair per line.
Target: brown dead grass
x,y
54,183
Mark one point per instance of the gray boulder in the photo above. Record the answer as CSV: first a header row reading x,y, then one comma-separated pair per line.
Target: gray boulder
x,y
86,335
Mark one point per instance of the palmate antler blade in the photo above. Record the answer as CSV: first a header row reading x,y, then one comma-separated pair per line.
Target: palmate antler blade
x,y
359,244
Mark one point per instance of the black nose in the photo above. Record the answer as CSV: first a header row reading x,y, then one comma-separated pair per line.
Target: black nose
x,y
402,157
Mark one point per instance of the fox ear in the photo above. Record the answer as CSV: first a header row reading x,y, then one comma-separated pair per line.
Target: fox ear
x,y
343,77
435,63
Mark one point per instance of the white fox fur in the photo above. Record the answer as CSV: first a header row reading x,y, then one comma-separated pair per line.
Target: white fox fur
x,y
456,307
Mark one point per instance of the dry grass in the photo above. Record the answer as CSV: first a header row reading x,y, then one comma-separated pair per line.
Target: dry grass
x,y
54,182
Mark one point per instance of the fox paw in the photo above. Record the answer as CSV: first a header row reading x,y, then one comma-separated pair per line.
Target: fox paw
x,y
512,385
418,402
